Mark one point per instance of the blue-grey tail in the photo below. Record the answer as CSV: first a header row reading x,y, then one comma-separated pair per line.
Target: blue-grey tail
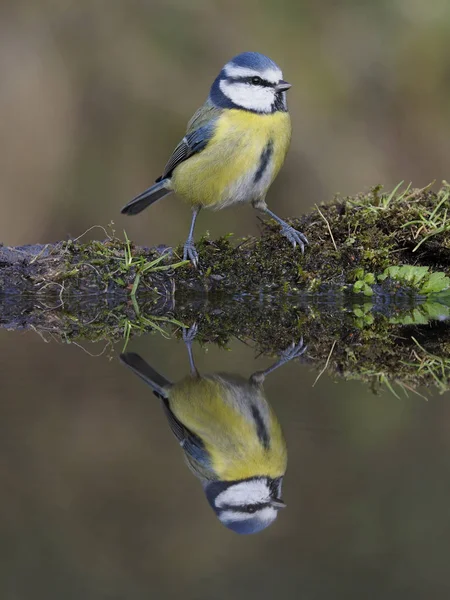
x,y
159,384
153,194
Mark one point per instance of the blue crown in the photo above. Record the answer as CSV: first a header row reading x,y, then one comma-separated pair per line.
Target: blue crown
x,y
253,60
251,525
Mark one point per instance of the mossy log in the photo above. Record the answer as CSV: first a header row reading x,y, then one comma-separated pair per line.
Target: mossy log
x,y
353,243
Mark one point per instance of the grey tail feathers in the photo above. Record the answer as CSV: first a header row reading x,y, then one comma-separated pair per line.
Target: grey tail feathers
x,y
159,384
153,194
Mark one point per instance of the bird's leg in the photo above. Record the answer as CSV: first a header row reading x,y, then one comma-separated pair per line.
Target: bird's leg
x,y
189,251
188,338
294,236
293,351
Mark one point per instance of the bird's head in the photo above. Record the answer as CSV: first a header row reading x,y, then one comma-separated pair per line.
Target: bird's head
x,y
247,506
250,81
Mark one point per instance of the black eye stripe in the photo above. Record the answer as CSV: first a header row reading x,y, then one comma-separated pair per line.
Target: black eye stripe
x,y
247,508
262,83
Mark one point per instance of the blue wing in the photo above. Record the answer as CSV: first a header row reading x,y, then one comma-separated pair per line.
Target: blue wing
x,y
191,144
199,131
189,441
197,456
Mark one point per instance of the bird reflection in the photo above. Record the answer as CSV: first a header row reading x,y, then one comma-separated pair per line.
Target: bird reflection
x,y
231,438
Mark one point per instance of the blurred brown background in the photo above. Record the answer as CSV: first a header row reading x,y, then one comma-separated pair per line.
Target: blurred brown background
x,y
96,502
95,95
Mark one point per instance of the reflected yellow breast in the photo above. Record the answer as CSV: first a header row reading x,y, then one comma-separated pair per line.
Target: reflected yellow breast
x,y
224,172
205,407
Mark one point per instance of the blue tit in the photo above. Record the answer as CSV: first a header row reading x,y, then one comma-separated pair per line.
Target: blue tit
x,y
231,438
234,146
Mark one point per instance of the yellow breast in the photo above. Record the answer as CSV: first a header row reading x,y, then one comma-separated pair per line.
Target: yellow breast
x,y
206,408
226,171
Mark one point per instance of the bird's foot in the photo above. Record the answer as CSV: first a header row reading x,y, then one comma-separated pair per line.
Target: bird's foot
x,y
294,351
188,337
294,236
189,333
190,253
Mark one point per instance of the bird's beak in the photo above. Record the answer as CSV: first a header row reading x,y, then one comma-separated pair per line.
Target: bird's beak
x,y
277,503
282,86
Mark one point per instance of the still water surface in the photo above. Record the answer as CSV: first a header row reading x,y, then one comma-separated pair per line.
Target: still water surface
x,y
97,501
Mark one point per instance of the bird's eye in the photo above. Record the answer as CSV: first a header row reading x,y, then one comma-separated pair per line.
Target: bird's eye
x,y
251,509
256,80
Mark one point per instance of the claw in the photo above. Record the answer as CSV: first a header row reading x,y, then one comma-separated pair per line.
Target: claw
x,y
294,351
294,236
190,333
189,252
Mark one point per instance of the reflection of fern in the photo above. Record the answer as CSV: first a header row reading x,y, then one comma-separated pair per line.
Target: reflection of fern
x,y
419,315
423,314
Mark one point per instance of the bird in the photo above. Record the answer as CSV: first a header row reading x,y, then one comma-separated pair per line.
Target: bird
x,y
234,147
231,438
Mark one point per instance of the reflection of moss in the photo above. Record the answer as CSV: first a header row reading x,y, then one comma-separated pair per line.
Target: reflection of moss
x,y
436,367
373,339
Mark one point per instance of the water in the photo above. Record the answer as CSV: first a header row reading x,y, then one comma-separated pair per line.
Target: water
x,y
97,501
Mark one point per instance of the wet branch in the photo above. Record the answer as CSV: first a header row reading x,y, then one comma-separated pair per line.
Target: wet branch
x,y
353,242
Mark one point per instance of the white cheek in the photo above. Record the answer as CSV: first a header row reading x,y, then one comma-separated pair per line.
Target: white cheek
x,y
252,97
266,514
246,492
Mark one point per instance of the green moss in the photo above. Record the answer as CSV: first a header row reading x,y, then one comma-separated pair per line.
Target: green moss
x,y
356,243
368,235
